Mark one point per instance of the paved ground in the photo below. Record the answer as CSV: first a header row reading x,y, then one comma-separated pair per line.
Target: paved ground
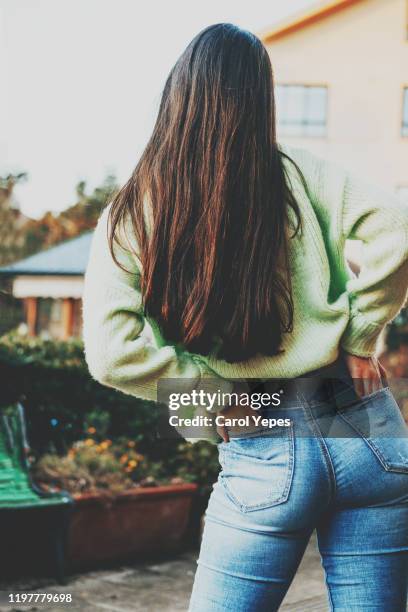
x,y
163,587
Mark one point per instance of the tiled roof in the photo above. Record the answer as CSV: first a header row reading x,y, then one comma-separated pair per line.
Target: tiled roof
x,y
69,258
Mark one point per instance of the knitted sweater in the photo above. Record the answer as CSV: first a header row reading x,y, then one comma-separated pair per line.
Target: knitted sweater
x,y
333,308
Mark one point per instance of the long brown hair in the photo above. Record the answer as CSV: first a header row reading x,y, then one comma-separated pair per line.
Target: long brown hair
x,y
214,265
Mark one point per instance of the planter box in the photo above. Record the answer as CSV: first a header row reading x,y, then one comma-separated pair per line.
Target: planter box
x,y
133,524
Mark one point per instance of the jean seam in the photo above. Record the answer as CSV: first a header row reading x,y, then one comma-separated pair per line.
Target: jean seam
x,y
249,508
377,452
358,401
325,451
269,503
329,595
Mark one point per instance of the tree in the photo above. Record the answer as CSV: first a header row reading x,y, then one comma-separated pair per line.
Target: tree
x,y
12,222
82,216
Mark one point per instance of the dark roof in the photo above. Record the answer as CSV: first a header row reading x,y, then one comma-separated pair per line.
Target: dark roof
x,y
69,258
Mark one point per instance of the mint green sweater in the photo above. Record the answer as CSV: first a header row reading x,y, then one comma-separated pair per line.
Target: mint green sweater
x,y
332,307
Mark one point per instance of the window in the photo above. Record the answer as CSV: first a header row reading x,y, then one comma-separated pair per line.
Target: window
x,y
49,316
405,113
301,110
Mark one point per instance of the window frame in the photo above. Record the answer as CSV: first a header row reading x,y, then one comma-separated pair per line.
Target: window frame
x,y
302,133
404,125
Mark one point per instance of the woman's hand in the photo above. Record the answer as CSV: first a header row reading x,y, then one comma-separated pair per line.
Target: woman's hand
x,y
367,373
234,412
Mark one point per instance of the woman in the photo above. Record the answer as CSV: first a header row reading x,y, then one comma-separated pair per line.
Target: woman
x,y
232,247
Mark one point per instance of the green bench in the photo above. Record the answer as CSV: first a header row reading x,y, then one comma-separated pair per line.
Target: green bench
x,y
33,523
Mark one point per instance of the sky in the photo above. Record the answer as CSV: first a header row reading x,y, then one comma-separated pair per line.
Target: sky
x,y
81,83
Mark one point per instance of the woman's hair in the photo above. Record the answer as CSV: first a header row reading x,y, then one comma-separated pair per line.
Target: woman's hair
x,y
214,264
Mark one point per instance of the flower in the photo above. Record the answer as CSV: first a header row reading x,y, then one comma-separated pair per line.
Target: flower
x,y
91,430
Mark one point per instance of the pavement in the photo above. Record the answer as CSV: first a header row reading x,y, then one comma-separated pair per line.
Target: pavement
x,y
158,587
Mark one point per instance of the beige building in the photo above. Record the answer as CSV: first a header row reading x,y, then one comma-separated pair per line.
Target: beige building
x,y
341,74
50,285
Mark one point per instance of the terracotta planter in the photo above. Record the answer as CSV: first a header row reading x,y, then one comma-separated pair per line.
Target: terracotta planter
x,y
134,524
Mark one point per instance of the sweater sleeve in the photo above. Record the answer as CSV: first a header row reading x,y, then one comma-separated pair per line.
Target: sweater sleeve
x,y
119,351
351,208
380,220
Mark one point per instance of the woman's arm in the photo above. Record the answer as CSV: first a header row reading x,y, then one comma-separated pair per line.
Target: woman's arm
x,y
350,208
376,296
380,221
118,351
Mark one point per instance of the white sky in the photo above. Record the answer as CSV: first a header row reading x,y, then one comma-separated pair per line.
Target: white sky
x,y
81,81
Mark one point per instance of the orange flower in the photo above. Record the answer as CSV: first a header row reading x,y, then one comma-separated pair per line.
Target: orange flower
x,y
91,430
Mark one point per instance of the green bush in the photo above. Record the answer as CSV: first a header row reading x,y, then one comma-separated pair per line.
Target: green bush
x,y
63,404
61,399
398,331
112,467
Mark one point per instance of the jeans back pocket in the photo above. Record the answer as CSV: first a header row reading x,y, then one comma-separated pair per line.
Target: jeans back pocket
x,y
378,420
257,471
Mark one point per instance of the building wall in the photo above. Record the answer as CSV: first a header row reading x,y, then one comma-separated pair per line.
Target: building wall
x,y
361,54
48,286
53,306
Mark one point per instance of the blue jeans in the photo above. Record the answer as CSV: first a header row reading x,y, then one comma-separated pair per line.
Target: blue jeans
x,y
341,467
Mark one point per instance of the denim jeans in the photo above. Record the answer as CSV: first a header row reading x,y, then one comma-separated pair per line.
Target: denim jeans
x,y
341,467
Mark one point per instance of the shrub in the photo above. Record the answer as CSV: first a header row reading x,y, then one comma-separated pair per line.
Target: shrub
x,y
111,468
61,399
398,331
65,407
90,467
